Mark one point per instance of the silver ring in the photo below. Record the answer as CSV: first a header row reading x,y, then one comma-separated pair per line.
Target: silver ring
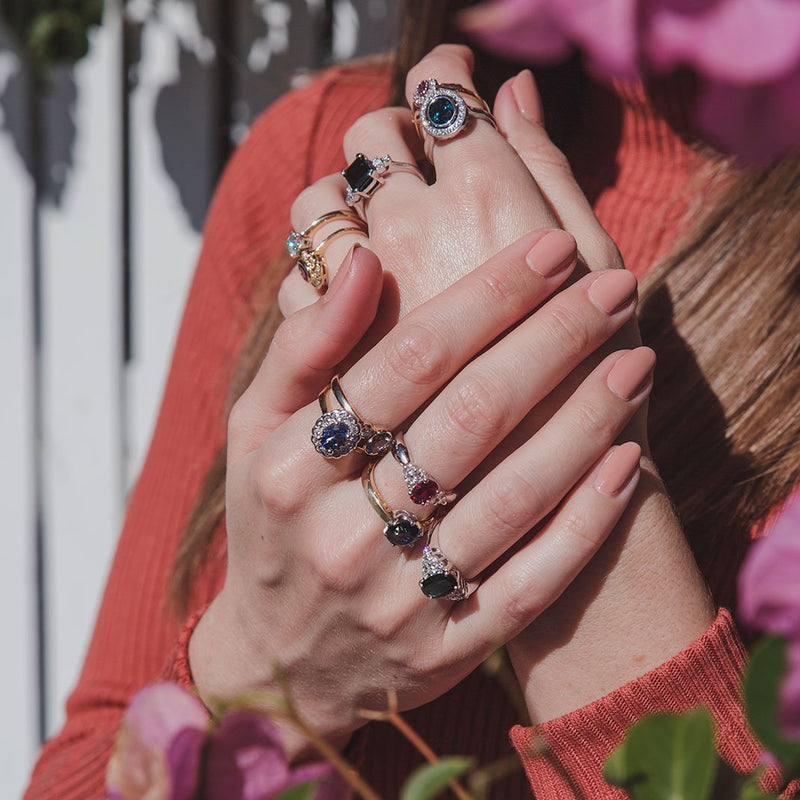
x,y
401,527
440,578
422,488
365,176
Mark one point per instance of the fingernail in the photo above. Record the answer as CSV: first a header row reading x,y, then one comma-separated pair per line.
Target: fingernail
x,y
551,254
613,290
618,469
342,273
523,88
631,374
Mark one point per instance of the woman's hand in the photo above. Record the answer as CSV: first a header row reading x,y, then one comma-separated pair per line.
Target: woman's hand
x,y
314,586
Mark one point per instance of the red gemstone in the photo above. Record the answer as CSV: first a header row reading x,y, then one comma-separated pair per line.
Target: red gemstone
x,y
424,492
422,87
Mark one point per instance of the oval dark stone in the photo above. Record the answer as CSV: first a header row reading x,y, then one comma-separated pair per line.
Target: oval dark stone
x,y
378,444
301,267
402,532
438,585
441,112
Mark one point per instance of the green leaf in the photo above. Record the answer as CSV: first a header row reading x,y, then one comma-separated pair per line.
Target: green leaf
x,y
666,757
303,791
762,683
431,780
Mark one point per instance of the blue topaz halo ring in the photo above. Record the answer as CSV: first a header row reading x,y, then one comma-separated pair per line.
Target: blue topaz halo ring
x,y
365,176
441,110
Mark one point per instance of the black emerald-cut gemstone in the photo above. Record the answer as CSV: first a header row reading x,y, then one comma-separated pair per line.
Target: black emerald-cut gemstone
x,y
359,174
440,584
402,532
441,112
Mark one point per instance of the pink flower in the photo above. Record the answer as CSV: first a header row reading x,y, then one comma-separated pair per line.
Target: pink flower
x,y
167,749
769,599
746,55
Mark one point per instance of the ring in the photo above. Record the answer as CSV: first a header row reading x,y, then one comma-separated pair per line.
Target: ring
x,y
439,577
339,431
402,527
297,241
422,488
365,176
441,111
311,264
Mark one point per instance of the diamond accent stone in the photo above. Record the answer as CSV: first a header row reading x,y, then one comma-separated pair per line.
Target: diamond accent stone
x,y
296,242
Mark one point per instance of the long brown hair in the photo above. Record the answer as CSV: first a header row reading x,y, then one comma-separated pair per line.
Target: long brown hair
x,y
722,310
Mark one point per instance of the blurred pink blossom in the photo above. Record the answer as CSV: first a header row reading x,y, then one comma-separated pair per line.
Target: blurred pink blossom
x,y
167,748
769,599
746,55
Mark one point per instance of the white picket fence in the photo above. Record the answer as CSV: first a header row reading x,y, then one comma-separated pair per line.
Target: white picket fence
x,y
96,259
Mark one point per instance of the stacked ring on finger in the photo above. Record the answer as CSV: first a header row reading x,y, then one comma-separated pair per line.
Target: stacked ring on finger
x,y
422,488
365,176
340,431
311,261
402,527
441,110
439,577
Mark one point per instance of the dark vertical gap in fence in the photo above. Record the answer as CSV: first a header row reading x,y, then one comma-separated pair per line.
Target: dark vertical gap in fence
x,y
126,186
325,36
224,88
35,116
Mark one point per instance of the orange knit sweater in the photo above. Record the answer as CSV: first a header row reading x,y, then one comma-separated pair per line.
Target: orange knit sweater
x,y
637,180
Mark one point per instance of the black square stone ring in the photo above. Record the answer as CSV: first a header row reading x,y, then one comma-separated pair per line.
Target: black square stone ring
x,y
311,263
365,176
442,111
340,431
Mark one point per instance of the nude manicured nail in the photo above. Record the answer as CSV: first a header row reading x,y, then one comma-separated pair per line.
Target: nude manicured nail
x,y
613,290
551,254
341,274
631,374
620,466
526,95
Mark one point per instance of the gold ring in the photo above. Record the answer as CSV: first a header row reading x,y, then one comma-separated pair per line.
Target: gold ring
x,y
312,265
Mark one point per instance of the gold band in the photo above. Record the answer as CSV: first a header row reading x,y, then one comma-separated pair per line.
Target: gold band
x,y
312,264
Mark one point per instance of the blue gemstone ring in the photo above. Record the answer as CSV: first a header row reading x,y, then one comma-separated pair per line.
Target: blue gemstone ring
x,y
340,431
402,528
365,176
441,110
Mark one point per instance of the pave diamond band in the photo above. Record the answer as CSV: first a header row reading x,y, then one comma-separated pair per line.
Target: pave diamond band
x,y
365,176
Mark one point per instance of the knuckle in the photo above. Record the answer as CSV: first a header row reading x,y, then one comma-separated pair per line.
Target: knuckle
x,y
567,327
476,409
505,285
593,422
364,129
513,502
444,59
305,205
540,149
475,180
336,564
276,487
575,527
522,602
417,355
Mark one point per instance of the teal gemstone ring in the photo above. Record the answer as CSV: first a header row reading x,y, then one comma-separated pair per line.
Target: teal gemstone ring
x,y
441,109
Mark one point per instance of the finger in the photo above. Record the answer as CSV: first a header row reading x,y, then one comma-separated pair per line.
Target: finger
x,y
533,578
387,131
495,392
519,114
523,489
450,63
305,350
323,196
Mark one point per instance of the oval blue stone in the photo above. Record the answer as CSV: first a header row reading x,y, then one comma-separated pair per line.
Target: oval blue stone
x,y
335,436
439,584
441,112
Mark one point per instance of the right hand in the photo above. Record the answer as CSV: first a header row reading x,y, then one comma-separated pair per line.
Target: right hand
x,y
311,582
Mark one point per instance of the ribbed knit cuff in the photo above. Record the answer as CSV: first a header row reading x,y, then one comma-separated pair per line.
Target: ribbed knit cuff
x,y
178,668
564,757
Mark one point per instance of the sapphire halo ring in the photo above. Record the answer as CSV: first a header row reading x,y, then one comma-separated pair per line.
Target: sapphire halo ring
x,y
365,176
440,578
340,431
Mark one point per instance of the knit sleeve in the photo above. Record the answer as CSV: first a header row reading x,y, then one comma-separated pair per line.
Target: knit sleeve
x,y
135,634
564,757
